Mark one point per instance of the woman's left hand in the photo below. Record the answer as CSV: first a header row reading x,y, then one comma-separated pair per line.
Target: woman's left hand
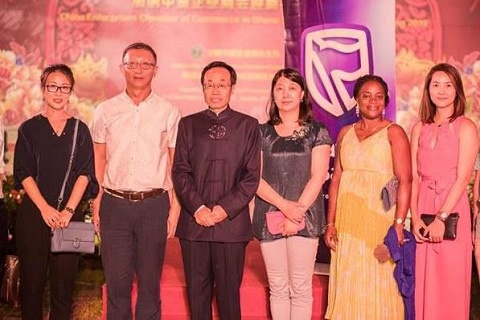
x,y
381,253
290,228
436,229
294,211
65,218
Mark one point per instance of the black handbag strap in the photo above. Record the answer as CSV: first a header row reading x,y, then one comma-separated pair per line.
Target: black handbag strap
x,y
62,191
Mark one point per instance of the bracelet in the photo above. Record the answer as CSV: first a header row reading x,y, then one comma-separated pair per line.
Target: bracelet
x,y
69,210
328,225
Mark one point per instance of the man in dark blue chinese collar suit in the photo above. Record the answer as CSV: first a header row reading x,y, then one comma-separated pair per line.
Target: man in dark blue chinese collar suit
x,y
216,172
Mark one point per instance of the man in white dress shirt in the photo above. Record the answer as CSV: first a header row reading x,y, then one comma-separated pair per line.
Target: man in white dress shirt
x,y
134,136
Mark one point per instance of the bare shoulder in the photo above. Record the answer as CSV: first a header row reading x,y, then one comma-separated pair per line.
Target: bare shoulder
x,y
396,128
416,128
342,132
468,125
395,131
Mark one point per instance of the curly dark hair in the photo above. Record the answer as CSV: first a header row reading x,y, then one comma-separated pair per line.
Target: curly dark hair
x,y
367,78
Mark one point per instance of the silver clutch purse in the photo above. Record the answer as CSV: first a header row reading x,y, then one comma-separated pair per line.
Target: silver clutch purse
x,y
389,193
78,237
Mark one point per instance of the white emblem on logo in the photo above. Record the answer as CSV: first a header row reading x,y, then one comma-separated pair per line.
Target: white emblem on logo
x,y
335,41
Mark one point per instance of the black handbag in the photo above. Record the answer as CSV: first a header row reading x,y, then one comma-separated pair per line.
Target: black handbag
x,y
10,289
450,224
79,236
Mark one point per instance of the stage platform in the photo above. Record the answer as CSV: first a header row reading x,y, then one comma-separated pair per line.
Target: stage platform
x,y
254,290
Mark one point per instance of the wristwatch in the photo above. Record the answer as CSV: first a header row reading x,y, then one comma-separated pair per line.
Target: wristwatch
x,y
442,216
69,210
398,221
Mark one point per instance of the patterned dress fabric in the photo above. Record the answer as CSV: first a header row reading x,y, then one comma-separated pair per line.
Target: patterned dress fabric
x,y
287,169
360,287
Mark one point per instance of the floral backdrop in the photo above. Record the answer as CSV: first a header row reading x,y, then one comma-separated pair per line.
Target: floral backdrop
x,y
88,35
21,97
22,58
425,37
413,70
33,36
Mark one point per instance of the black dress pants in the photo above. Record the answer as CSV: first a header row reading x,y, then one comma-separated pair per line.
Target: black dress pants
x,y
37,264
3,235
134,236
208,264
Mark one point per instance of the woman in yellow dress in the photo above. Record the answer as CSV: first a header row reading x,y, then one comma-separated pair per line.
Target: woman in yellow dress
x,y
368,154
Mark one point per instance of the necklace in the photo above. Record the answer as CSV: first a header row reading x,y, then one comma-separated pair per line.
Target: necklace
x,y
368,130
440,123
363,132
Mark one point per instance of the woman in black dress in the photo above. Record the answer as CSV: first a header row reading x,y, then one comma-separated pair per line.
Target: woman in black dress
x,y
42,154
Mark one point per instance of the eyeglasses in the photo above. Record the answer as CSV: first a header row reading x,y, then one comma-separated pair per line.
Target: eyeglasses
x,y
143,65
54,88
220,86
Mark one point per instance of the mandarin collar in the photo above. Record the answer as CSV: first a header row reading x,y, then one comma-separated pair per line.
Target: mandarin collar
x,y
147,99
222,115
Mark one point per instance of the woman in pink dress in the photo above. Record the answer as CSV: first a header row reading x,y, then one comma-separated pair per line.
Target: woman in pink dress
x,y
444,145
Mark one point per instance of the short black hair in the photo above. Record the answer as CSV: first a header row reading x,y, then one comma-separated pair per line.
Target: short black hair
x,y
57,68
220,64
141,46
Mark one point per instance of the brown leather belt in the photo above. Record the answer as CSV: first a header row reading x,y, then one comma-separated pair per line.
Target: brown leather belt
x,y
135,195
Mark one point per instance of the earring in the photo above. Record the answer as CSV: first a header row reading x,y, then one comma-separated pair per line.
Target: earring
x,y
357,111
383,113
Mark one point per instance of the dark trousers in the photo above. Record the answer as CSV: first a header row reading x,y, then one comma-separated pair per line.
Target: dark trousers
x,y
133,237
213,263
33,238
3,235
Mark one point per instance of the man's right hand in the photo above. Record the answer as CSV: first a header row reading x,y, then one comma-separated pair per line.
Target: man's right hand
x,y
204,217
96,213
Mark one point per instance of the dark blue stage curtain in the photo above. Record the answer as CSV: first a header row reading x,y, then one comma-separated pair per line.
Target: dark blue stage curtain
x,y
298,15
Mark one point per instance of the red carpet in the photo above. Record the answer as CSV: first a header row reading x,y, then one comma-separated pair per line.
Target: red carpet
x,y
254,290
